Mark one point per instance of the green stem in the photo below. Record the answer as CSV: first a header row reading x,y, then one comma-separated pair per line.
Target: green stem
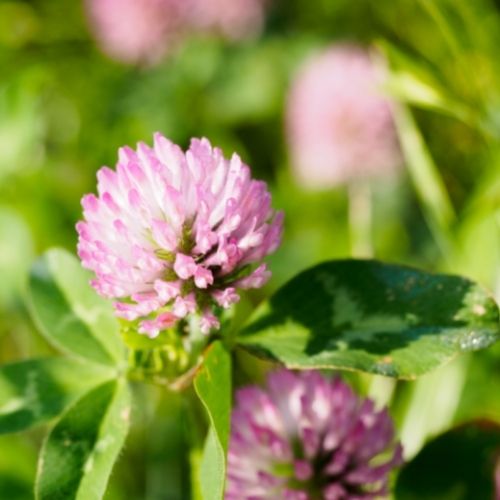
x,y
432,404
432,9
360,218
171,365
429,186
196,428
381,390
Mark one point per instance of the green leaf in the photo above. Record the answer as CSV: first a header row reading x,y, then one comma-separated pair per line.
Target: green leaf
x,y
372,317
15,488
37,390
458,465
213,386
16,249
412,82
409,88
78,455
17,467
426,179
426,407
69,313
479,398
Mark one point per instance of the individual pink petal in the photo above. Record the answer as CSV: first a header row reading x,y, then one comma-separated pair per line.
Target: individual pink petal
x,y
152,328
184,266
303,470
126,311
90,203
256,279
205,239
203,277
184,305
167,290
226,297
208,322
164,235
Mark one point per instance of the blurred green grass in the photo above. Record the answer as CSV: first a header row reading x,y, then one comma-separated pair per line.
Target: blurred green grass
x,y
65,109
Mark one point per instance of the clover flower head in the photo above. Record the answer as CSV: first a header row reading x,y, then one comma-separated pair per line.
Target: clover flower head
x,y
306,437
137,31
172,234
339,126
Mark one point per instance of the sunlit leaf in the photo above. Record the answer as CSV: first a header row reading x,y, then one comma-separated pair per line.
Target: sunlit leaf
x,y
79,453
213,386
69,313
372,317
411,82
426,178
16,250
37,390
17,467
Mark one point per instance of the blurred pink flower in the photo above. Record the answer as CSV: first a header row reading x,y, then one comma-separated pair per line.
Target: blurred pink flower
x,y
135,31
339,127
307,437
234,19
172,234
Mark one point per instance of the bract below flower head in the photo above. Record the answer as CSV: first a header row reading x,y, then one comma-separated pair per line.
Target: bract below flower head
x,y
306,437
171,234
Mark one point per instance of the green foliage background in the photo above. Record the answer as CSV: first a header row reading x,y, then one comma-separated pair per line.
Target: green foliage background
x,y
65,109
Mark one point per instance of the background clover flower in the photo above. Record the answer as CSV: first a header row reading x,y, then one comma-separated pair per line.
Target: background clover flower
x,y
339,126
307,437
172,234
234,19
134,31
143,31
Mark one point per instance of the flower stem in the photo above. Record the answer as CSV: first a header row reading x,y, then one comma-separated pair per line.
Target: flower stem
x,y
427,181
196,429
360,218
